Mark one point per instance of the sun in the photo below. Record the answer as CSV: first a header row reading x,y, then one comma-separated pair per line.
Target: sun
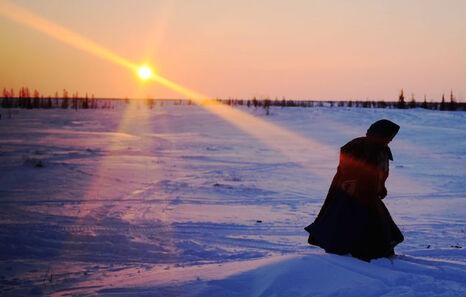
x,y
144,72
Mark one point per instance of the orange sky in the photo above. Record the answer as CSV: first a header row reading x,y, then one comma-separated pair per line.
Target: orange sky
x,y
297,49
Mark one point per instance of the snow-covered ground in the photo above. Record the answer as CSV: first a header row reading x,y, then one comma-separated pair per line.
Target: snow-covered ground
x,y
176,201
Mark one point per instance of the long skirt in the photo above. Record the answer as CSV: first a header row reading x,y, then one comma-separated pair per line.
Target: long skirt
x,y
344,226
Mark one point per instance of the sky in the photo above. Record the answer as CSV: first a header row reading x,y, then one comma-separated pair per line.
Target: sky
x,y
320,50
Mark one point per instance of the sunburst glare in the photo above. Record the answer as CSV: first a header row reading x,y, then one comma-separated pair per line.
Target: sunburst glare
x,y
145,72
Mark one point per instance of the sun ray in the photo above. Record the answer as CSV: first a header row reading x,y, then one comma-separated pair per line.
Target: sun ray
x,y
31,20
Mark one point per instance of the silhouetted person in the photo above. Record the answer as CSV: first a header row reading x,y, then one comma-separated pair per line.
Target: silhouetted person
x,y
353,218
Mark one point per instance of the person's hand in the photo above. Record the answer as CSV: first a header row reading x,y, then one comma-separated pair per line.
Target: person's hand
x,y
383,194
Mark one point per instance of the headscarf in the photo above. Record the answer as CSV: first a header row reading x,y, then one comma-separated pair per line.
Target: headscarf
x,y
382,131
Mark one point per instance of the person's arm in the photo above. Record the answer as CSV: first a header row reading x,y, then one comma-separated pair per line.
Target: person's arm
x,y
383,190
383,168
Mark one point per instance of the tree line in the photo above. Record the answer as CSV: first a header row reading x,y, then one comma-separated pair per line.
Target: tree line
x,y
29,100
452,104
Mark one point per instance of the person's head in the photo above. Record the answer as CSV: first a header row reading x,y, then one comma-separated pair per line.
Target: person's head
x,y
382,131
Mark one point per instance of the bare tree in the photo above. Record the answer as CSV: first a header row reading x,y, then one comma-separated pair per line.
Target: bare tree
x,y
401,100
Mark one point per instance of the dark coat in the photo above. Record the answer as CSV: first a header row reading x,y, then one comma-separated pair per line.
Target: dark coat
x,y
353,218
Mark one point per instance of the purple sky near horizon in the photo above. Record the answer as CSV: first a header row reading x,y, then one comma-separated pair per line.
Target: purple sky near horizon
x,y
325,50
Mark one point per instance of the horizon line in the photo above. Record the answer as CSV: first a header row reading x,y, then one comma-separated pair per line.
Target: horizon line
x,y
233,99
